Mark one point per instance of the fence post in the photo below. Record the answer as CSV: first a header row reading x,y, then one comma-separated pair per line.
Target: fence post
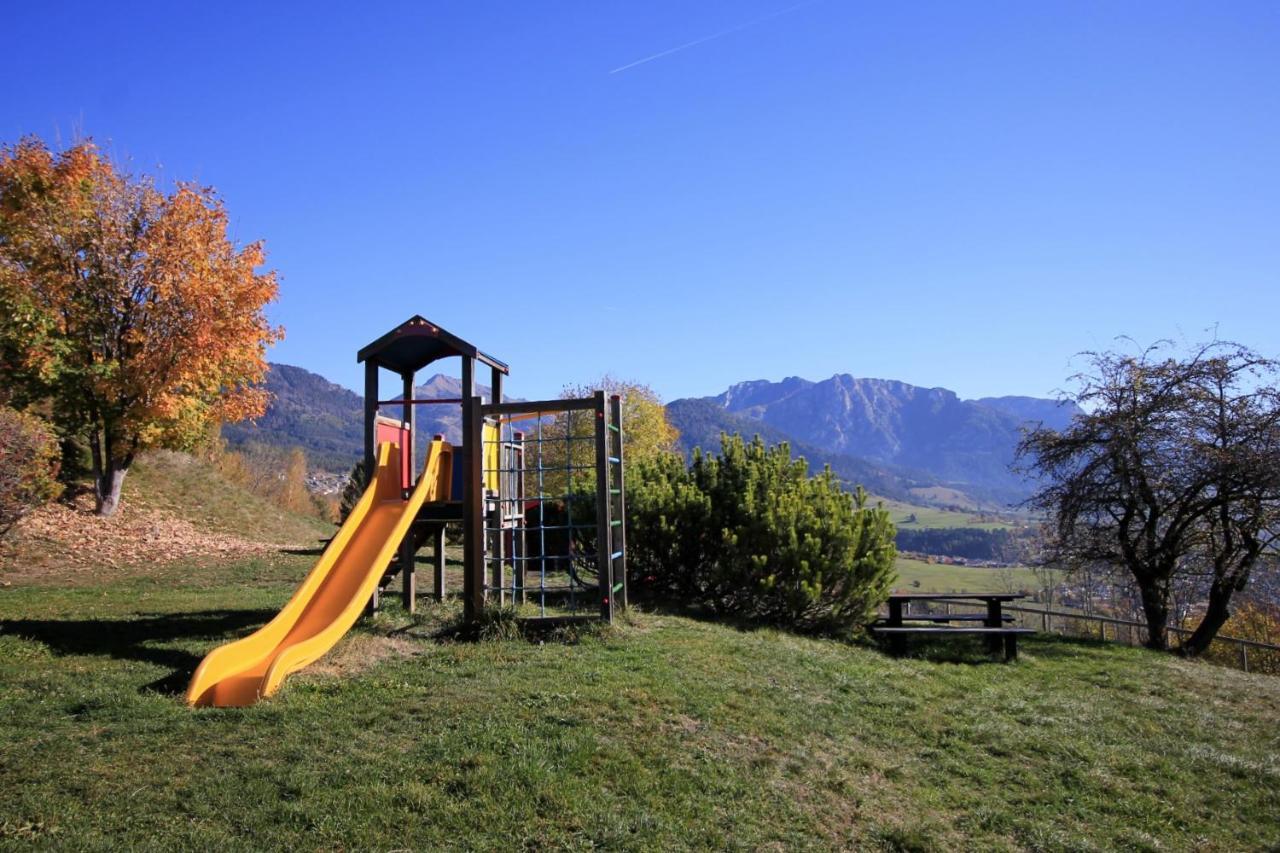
x,y
1244,657
1044,620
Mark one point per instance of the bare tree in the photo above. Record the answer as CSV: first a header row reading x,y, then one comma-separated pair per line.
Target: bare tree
x,y
1173,472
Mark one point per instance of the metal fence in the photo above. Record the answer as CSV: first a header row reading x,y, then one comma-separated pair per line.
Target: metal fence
x,y
1247,655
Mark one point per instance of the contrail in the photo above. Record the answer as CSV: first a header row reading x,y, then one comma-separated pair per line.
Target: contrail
x,y
713,36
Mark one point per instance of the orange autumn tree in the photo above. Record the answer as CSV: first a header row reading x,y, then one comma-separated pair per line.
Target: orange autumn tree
x,y
129,311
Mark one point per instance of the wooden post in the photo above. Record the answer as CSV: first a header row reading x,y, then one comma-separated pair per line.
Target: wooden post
x,y
370,419
1244,657
494,529
439,559
604,530
408,553
370,448
411,422
495,391
409,590
995,619
472,505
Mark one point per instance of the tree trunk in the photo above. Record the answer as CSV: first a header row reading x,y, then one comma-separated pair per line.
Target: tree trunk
x,y
107,485
1215,616
1155,604
109,470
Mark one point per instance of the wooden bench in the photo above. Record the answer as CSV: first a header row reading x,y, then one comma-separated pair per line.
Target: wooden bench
x,y
947,617
996,626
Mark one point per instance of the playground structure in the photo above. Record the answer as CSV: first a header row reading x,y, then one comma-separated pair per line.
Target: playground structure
x,y
537,488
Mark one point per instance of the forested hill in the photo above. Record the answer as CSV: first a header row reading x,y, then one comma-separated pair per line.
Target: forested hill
x,y
310,412
326,420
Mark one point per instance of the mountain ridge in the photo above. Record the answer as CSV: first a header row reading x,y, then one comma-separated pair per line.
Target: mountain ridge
x,y
965,444
890,436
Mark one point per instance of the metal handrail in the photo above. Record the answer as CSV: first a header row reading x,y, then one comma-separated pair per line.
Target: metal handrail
x,y
1046,614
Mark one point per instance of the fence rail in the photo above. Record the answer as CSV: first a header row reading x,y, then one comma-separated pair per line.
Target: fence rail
x,y
1247,655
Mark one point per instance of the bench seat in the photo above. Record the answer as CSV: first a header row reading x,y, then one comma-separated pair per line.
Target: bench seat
x,y
996,637
938,629
947,617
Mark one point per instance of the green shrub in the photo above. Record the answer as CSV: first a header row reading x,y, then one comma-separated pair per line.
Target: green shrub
x,y
751,534
29,455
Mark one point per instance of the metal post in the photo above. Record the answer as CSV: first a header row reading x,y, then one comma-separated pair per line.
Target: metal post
x,y
519,530
619,545
473,505
604,563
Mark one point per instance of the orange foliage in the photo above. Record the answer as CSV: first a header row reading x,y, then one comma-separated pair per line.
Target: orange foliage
x,y
132,309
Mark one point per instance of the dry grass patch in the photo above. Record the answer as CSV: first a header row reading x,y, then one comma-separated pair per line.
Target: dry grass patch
x,y
360,652
67,543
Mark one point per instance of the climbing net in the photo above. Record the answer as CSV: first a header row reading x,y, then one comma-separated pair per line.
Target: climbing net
x,y
550,507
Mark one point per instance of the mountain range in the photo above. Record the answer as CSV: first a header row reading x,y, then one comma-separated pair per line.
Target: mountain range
x,y
896,439
919,436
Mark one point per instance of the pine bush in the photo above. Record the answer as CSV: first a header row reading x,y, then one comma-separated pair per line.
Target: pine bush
x,y
749,533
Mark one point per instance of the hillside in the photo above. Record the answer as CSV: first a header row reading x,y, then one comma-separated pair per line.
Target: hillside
x,y
175,509
944,441
307,411
327,420
666,733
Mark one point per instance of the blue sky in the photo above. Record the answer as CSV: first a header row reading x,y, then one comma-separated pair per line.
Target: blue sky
x,y
951,194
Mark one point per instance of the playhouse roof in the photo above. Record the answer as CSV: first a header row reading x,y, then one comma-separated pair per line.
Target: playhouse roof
x,y
417,342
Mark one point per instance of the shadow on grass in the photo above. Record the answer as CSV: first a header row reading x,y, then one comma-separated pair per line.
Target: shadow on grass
x,y
142,639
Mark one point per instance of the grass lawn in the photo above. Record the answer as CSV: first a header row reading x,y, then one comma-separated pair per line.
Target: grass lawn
x,y
931,517
667,732
937,577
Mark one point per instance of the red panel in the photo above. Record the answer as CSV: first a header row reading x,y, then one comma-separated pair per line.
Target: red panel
x,y
398,435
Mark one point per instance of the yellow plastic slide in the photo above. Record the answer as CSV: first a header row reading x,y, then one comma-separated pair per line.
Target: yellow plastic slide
x,y
333,595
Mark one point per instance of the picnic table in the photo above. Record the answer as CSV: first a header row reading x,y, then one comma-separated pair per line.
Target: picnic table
x,y
995,625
